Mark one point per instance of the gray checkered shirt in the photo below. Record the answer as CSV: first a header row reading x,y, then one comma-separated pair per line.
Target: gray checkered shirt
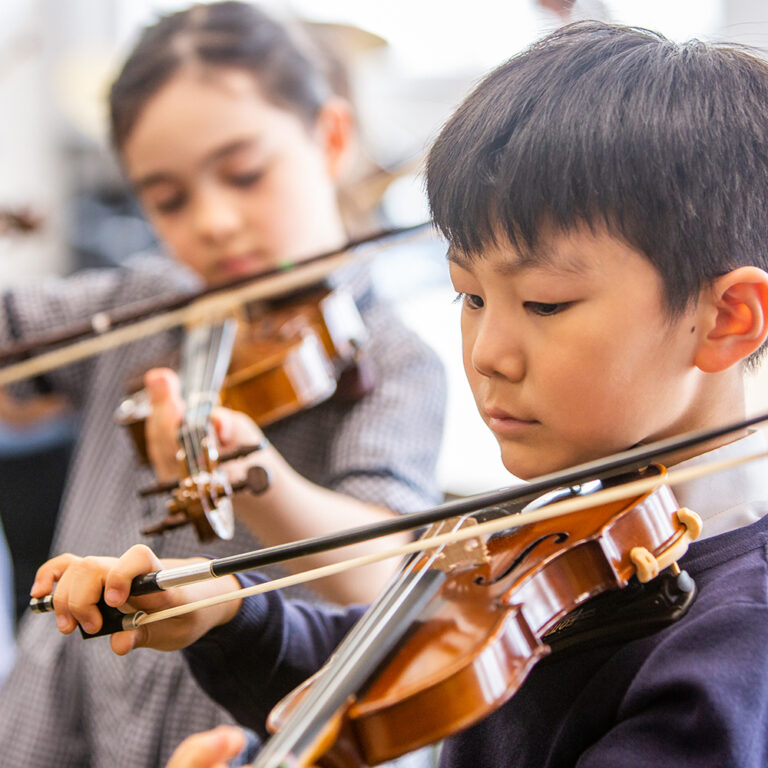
x,y
69,702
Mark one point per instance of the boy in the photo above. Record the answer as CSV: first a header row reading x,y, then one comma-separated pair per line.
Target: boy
x,y
603,195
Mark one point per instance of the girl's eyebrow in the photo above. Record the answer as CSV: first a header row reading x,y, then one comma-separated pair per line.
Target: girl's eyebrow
x,y
150,180
165,177
231,147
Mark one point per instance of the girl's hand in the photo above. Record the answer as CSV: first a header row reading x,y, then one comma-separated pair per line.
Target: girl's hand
x,y
210,749
162,425
233,429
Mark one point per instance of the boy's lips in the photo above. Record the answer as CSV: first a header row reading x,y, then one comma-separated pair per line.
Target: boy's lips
x,y
505,423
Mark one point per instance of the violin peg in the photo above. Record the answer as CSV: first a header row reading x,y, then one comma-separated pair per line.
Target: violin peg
x,y
257,480
153,490
169,523
245,450
691,521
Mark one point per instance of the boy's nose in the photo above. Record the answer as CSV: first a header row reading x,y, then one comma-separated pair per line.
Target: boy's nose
x,y
496,350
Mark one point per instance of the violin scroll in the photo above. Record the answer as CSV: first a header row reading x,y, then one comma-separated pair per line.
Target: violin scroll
x,y
203,499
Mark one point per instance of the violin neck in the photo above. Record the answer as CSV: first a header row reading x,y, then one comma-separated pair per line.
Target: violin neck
x,y
205,358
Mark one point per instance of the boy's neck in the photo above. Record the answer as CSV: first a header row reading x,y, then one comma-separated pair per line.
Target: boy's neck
x,y
720,404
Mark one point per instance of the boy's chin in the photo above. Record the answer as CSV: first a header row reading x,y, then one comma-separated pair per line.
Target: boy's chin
x,y
528,466
522,467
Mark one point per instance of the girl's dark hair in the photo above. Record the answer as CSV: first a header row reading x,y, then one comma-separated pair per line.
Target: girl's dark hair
x,y
228,34
665,144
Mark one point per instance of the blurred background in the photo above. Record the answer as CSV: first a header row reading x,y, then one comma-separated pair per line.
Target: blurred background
x,y
410,61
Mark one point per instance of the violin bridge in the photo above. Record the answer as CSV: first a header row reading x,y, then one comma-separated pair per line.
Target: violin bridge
x,y
470,552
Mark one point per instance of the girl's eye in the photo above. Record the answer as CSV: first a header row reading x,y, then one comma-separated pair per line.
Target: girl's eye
x,y
469,300
544,309
245,179
171,205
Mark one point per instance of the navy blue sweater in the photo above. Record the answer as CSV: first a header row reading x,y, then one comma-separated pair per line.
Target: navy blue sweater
x,y
693,694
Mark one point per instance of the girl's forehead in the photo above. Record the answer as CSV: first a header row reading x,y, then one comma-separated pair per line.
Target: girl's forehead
x,y
233,82
198,117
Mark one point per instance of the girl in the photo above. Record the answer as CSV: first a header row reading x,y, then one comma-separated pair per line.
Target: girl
x,y
233,140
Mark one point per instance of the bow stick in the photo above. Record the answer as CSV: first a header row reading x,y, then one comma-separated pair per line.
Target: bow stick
x,y
106,331
483,503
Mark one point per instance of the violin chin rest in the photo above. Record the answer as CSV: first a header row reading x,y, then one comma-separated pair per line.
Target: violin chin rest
x,y
621,615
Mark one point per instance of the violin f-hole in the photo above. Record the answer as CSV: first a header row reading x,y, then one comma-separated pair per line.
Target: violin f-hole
x,y
558,538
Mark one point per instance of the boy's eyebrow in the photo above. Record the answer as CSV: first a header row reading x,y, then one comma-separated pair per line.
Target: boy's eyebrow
x,y
544,258
460,261
164,177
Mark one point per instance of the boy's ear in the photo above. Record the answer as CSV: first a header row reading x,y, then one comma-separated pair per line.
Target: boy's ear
x,y
734,317
335,128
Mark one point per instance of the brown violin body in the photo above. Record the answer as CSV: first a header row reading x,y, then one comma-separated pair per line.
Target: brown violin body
x,y
478,639
291,357
289,354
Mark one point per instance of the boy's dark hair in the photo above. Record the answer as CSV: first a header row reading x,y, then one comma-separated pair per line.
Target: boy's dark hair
x,y
288,69
665,144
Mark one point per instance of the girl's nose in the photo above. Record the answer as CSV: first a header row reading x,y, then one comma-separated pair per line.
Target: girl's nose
x,y
216,217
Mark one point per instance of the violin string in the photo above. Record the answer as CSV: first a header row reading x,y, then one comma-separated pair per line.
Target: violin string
x,y
345,666
208,337
200,394
190,368
556,509
185,373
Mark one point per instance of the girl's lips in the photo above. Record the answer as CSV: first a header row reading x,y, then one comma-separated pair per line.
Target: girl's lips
x,y
238,265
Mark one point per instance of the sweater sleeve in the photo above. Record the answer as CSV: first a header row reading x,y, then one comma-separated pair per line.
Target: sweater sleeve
x,y
55,304
269,648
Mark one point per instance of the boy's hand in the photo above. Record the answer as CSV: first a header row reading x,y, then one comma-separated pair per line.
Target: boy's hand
x,y
210,749
81,582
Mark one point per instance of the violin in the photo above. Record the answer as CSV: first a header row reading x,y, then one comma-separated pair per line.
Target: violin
x,y
281,356
486,597
298,343
460,629
499,582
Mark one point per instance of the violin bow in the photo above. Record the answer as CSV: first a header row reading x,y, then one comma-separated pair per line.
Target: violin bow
x,y
494,515
106,330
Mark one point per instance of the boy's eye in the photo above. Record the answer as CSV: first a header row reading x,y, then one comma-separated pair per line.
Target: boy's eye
x,y
470,300
544,309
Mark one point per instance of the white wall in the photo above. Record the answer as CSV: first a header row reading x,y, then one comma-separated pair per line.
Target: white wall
x,y
29,171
